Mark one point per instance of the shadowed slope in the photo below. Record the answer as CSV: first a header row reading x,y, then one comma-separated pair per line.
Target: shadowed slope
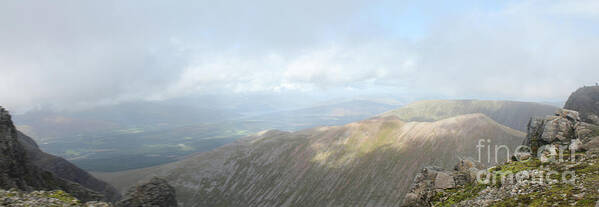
x,y
64,169
509,113
586,101
367,163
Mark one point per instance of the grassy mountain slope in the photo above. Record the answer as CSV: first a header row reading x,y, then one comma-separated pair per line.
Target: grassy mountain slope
x,y
509,113
371,162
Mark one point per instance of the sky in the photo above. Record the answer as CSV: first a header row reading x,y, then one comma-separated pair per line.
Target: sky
x,y
71,54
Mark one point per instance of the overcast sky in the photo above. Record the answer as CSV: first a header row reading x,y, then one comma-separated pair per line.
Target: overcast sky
x,y
63,53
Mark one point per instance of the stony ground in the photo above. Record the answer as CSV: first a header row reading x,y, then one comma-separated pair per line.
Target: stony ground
x,y
531,183
43,198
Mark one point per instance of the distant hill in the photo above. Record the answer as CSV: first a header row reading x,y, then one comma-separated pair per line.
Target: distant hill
x,y
371,162
509,113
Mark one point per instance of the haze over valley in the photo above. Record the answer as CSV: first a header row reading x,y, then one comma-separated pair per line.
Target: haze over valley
x,y
299,103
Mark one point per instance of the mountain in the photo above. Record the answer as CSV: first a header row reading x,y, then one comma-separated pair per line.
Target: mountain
x,y
366,163
509,113
132,148
586,101
17,171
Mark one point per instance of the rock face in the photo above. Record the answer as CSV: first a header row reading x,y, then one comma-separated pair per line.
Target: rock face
x,y
16,170
156,193
586,101
564,129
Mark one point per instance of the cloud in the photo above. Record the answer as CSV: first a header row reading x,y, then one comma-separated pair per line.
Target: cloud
x,y
66,54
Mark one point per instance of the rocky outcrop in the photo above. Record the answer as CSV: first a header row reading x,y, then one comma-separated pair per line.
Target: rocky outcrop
x,y
156,193
586,101
565,129
65,169
17,171
432,179
530,179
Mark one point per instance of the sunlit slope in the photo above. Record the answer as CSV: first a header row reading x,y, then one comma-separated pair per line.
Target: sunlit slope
x,y
509,113
371,162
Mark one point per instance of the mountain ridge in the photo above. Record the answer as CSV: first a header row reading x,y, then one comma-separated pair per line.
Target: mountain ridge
x,y
514,114
324,159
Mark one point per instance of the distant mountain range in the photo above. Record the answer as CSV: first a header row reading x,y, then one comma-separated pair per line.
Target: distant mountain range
x,y
513,114
364,163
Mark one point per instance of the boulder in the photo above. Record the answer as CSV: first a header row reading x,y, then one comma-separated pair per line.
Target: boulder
x,y
444,181
466,171
548,153
568,114
575,145
521,156
432,179
591,145
559,128
423,187
156,193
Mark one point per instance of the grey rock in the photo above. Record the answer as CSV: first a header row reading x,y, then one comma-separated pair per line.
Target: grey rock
x,y
591,145
559,128
569,114
444,181
156,193
431,179
465,165
522,156
548,153
575,145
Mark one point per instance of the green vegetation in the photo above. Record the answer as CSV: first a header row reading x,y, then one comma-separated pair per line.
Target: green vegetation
x,y
63,196
584,192
452,196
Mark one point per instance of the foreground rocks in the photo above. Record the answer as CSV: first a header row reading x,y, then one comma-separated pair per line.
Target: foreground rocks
x,y
156,193
537,176
565,129
44,198
432,179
